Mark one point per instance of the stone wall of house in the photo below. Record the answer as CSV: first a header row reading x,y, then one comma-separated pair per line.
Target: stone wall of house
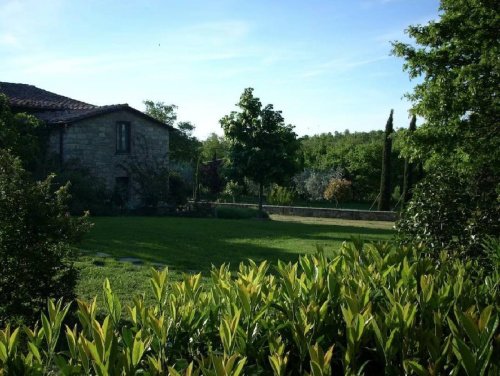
x,y
93,143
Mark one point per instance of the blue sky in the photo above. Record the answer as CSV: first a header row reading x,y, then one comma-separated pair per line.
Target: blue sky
x,y
325,64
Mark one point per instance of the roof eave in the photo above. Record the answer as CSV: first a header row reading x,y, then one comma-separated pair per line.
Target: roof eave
x,y
123,107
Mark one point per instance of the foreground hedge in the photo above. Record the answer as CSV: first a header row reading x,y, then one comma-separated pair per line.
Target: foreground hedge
x,y
370,309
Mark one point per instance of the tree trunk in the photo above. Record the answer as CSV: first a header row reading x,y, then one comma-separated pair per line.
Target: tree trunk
x,y
261,197
407,182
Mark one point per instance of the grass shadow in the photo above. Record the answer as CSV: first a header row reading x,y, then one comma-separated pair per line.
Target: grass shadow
x,y
194,244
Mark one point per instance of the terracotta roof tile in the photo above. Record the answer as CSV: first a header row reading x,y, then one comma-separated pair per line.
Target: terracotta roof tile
x,y
56,109
29,96
68,116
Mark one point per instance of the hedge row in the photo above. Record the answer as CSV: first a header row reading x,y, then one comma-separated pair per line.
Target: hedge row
x,y
369,309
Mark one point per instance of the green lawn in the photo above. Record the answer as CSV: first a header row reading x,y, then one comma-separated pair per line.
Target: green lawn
x,y
194,244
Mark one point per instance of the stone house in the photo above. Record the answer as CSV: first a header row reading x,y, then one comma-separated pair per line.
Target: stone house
x,y
103,139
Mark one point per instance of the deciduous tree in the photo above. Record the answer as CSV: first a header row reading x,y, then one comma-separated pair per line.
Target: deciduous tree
x,y
183,145
262,147
456,58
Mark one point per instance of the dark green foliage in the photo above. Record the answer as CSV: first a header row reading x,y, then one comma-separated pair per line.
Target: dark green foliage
x,y
239,213
211,177
87,192
409,171
358,155
232,190
447,212
24,136
157,183
214,145
262,147
182,144
166,113
178,189
36,231
384,201
279,195
456,58
491,250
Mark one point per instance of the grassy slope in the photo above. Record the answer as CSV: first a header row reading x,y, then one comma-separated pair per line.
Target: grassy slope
x,y
194,244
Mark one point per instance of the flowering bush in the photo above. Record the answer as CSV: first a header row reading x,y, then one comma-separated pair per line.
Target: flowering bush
x,y
338,190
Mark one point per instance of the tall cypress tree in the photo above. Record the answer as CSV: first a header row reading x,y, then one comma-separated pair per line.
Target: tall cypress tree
x,y
384,202
408,177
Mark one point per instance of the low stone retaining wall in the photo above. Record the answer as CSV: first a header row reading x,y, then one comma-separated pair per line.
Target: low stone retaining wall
x,y
300,211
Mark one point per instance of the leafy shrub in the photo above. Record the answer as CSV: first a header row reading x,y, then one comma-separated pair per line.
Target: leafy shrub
x,y
178,192
370,309
311,184
338,190
396,196
232,190
24,135
239,213
280,196
211,176
491,247
448,211
35,233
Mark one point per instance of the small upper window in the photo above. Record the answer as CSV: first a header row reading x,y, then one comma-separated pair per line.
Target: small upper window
x,y
123,137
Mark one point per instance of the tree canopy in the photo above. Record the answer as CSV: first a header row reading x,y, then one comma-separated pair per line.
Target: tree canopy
x,y
183,145
262,147
358,155
24,135
457,59
214,145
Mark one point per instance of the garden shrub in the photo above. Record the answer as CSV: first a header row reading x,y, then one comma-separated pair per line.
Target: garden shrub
x,y
210,176
232,190
448,210
178,190
25,136
311,184
36,231
369,309
279,195
338,190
